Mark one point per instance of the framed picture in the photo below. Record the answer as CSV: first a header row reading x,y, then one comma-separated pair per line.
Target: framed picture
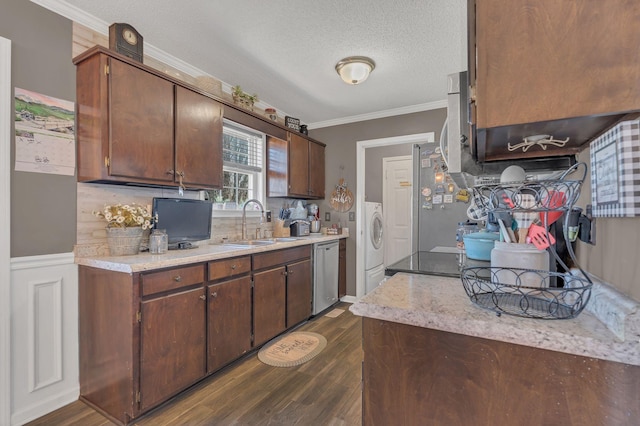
x,y
292,123
615,171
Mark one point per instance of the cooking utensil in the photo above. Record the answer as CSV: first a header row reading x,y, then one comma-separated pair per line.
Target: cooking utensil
x,y
522,216
555,200
540,237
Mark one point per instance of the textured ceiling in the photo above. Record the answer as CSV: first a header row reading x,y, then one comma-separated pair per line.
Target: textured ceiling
x,y
286,50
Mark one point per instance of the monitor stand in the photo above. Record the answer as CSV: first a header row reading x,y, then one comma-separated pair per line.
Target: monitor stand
x,y
182,246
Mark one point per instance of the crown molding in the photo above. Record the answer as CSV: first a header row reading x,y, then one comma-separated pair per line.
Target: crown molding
x,y
380,114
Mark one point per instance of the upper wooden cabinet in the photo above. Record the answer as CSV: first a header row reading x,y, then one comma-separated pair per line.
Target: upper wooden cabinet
x,y
134,126
562,68
295,167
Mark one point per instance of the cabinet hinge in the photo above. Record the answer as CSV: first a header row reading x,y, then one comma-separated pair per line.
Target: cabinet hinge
x,y
472,93
253,283
138,397
106,69
139,316
107,162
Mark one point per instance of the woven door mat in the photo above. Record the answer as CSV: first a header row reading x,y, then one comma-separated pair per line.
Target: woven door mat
x,y
292,349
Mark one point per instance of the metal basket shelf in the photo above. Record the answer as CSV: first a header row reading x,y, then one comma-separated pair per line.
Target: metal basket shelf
x,y
486,288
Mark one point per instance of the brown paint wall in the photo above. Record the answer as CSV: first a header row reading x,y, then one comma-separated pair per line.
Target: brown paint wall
x,y
340,152
43,206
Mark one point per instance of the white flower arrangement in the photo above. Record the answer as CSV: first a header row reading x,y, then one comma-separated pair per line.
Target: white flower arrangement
x,y
125,216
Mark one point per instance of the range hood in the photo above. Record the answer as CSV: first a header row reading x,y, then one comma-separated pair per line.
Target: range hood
x,y
458,150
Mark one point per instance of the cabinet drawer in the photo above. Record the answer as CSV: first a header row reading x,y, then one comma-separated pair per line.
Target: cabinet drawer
x,y
156,282
226,268
280,257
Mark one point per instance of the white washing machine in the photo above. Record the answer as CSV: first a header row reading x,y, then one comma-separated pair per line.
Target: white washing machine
x,y
373,247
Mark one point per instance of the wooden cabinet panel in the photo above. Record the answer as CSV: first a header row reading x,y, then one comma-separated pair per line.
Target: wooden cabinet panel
x,y
141,123
499,383
550,67
229,332
298,165
316,170
171,279
280,257
299,292
342,268
228,268
268,304
277,167
172,346
198,139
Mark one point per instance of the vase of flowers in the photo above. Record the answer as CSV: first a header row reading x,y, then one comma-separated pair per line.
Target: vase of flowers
x,y
125,226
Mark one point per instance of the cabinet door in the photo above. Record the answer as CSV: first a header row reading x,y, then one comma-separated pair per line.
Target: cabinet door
x,y
298,292
229,334
172,347
198,139
298,165
268,304
141,124
277,167
316,170
342,268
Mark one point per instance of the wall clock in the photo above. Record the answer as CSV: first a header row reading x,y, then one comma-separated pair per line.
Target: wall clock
x,y
124,39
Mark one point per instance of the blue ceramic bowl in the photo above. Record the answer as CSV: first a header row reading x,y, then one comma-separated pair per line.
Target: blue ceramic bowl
x,y
478,245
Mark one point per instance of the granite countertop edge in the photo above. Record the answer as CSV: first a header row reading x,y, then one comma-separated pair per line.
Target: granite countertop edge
x,y
440,303
205,252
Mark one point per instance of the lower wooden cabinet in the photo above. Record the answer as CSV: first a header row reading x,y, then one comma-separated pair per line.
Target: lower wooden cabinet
x,y
145,337
172,345
299,292
268,304
229,314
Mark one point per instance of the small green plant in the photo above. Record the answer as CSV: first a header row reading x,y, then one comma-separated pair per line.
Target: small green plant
x,y
245,99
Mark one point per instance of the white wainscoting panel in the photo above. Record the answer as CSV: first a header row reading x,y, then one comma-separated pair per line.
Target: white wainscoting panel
x,y
44,335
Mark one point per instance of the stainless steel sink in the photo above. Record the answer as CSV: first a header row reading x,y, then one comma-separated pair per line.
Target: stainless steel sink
x,y
256,243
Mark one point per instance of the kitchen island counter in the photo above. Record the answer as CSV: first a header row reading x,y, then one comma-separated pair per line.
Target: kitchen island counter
x,y
440,303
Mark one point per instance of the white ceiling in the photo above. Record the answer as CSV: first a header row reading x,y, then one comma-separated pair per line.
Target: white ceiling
x,y
286,50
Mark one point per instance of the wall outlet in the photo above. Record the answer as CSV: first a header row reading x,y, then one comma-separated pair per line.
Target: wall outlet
x,y
327,216
267,215
352,216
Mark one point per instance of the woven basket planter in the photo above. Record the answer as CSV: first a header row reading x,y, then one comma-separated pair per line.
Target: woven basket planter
x,y
124,241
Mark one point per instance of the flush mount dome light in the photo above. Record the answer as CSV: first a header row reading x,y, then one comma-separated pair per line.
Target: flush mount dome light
x,y
355,69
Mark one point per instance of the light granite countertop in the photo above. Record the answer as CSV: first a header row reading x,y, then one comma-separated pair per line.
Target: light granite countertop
x,y
441,303
203,253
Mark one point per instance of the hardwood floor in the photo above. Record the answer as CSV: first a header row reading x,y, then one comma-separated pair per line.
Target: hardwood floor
x,y
324,391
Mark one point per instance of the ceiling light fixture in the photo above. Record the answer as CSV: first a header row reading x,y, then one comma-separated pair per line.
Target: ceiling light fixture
x,y
355,69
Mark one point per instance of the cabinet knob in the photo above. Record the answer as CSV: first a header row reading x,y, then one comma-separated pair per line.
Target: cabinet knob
x,y
233,266
214,294
177,278
290,273
170,172
203,297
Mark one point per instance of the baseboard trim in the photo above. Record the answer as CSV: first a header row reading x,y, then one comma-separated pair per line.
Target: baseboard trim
x,y
349,299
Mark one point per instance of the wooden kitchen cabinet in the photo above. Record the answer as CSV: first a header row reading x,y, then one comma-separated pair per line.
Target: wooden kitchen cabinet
x,y
342,268
295,167
269,310
135,126
172,345
497,383
229,311
562,68
299,292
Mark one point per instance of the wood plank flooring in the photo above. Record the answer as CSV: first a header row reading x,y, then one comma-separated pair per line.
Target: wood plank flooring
x,y
324,391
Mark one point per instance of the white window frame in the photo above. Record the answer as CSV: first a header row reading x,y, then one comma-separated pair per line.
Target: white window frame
x,y
257,179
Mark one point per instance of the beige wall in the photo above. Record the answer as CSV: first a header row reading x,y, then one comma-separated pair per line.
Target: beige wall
x,y
615,257
341,161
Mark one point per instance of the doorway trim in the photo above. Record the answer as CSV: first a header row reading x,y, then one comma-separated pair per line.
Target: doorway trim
x,y
6,101
361,146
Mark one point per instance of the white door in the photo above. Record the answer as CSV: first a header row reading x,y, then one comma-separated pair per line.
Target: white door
x,y
397,199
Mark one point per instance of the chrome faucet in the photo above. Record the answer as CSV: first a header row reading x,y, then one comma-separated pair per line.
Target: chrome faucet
x,y
244,216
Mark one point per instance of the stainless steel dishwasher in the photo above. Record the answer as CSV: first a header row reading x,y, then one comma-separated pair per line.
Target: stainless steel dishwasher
x,y
325,275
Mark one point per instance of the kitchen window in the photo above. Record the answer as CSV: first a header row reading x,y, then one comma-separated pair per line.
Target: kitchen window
x,y
243,159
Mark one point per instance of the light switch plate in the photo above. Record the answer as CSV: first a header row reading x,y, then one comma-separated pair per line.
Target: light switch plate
x,y
327,216
352,216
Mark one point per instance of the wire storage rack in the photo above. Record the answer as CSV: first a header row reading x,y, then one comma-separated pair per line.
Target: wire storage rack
x,y
525,292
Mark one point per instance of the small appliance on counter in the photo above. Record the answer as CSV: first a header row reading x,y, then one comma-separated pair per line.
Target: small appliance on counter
x,y
299,228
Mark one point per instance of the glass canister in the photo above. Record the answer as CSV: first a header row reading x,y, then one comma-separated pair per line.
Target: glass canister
x,y
464,228
158,241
